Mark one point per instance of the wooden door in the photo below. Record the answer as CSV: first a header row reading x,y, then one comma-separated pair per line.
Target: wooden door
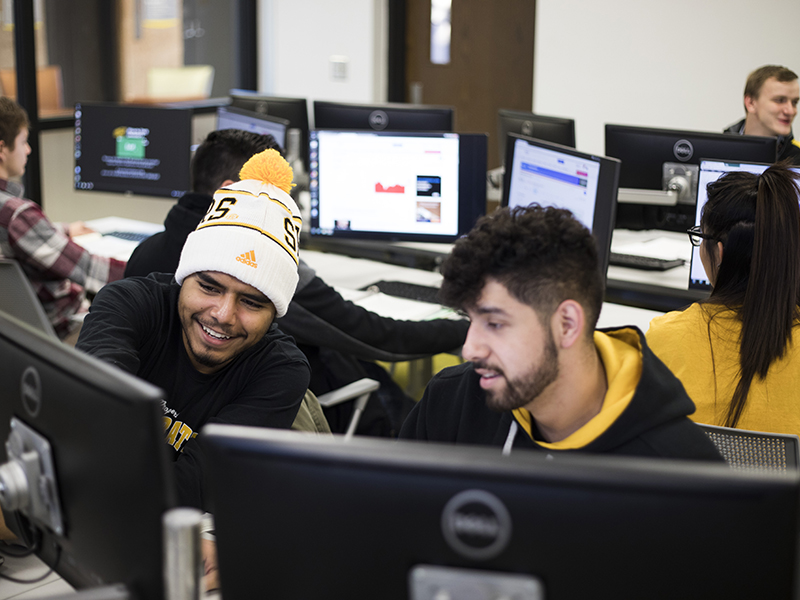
x,y
491,62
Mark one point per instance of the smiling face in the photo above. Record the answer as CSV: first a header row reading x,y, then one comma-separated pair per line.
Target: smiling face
x,y
13,160
221,317
512,351
771,112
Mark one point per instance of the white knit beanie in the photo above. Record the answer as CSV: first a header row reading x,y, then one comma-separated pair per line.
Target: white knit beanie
x,y
251,232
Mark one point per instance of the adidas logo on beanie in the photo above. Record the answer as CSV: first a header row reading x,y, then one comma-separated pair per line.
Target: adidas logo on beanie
x,y
251,232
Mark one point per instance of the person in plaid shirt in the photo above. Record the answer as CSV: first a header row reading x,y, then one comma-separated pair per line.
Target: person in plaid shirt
x,y
60,271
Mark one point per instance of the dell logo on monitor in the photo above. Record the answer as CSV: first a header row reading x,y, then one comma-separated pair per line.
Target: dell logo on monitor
x,y
31,391
683,150
527,128
378,120
476,524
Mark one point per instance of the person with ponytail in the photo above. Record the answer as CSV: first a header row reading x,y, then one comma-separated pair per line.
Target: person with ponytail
x,y
736,352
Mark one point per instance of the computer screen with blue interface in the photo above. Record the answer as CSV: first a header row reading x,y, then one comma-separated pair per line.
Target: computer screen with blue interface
x,y
553,175
230,117
395,185
711,170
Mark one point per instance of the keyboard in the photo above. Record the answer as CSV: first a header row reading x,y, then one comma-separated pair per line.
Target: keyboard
x,y
411,291
133,236
645,263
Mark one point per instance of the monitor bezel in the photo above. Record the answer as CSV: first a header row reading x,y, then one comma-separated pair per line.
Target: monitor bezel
x,y
115,478
471,186
295,110
507,116
180,129
254,116
447,113
255,473
607,185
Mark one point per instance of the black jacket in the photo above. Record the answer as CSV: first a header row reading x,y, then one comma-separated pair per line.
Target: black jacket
x,y
161,252
655,423
787,146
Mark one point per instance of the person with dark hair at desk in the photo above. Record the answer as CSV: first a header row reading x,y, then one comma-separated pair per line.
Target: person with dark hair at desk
x,y
540,376
771,94
216,164
60,271
738,353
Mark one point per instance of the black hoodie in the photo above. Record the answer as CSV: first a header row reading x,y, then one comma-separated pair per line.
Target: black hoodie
x,y
654,422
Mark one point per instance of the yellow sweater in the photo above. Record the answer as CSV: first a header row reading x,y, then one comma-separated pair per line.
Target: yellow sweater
x,y
706,360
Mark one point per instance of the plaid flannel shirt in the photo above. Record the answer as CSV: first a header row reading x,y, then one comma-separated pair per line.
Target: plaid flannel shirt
x,y
60,271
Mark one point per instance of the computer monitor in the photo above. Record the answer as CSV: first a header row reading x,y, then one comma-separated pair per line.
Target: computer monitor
x,y
230,117
401,186
552,175
664,159
382,117
710,171
108,478
295,110
132,149
550,129
376,518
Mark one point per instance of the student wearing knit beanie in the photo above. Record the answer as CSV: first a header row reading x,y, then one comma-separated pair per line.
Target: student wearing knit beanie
x,y
206,336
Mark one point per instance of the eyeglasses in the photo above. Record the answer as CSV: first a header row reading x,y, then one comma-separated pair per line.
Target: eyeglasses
x,y
696,235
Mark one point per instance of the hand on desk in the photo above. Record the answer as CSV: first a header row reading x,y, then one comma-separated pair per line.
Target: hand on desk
x,y
79,228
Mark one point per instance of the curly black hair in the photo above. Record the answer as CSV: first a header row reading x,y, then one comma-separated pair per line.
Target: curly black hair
x,y
542,255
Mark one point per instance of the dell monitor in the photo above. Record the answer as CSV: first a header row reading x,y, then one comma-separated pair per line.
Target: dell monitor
x,y
294,110
396,186
104,477
382,117
142,150
230,117
397,520
552,175
550,129
666,162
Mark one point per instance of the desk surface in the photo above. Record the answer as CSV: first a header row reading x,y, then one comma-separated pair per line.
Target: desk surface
x,y
347,274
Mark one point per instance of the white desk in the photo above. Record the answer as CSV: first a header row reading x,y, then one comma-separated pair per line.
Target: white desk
x,y
347,274
29,568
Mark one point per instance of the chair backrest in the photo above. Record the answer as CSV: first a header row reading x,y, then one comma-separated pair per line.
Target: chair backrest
x,y
18,299
190,82
755,450
310,417
49,86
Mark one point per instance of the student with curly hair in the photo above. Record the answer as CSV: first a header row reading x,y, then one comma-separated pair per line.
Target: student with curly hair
x,y
539,376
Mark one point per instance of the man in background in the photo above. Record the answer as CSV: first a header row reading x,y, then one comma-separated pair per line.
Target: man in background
x,y
770,103
60,271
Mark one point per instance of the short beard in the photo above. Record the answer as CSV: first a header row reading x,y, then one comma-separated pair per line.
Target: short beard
x,y
523,390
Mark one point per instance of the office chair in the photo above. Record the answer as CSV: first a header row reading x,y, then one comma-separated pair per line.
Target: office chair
x,y
754,450
310,417
358,390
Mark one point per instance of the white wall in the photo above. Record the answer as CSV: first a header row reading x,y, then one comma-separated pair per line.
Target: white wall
x,y
679,64
297,38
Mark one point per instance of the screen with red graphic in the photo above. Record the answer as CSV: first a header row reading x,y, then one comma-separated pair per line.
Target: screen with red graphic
x,y
393,184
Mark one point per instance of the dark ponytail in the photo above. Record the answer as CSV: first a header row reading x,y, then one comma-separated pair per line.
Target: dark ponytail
x,y
757,219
